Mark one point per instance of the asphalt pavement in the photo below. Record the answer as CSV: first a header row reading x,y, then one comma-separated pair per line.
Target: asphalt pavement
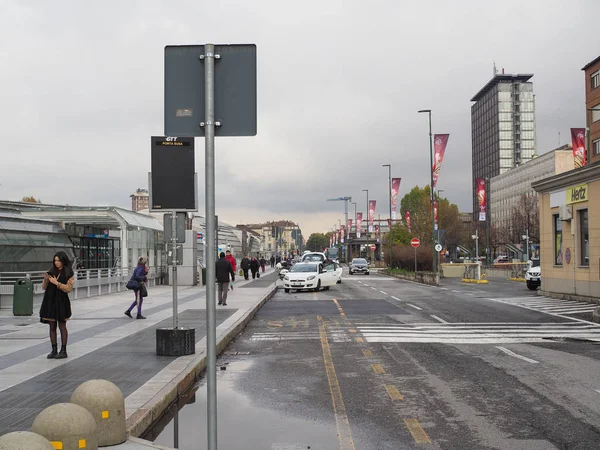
x,y
382,363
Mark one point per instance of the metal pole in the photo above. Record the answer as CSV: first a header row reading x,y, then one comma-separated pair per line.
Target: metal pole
x,y
488,218
347,237
367,233
389,166
211,324
174,266
431,196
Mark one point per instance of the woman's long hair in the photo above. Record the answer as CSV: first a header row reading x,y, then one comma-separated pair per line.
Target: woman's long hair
x,y
64,259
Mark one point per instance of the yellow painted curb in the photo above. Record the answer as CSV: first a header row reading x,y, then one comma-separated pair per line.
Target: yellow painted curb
x,y
521,280
470,280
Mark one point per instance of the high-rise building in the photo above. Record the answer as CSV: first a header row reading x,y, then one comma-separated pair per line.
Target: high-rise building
x,y
502,128
592,103
139,200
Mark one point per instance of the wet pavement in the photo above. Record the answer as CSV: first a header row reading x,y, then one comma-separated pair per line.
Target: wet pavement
x,y
380,363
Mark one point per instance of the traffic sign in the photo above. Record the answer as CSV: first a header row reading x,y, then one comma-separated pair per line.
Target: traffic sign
x,y
438,247
415,242
373,247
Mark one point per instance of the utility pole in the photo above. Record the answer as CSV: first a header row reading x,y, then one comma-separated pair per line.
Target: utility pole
x,y
389,166
431,195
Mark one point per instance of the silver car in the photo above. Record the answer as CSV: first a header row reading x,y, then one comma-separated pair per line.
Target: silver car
x,y
359,265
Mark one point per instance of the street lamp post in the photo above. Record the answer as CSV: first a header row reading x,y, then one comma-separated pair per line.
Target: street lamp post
x,y
438,224
348,259
367,233
433,259
389,166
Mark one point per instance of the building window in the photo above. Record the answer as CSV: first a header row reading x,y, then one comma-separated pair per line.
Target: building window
x,y
596,113
595,79
596,147
558,252
584,238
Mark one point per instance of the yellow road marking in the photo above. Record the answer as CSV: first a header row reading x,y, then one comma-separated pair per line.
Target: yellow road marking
x,y
393,392
378,368
339,409
367,353
418,433
359,340
351,330
274,324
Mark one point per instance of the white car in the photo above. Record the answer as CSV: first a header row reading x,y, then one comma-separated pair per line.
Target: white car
x,y
533,278
312,276
314,257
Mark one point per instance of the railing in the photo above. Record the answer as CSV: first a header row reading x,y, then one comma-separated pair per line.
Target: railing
x,y
88,283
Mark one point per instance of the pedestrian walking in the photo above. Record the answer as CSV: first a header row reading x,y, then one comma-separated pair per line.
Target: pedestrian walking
x,y
229,257
272,261
245,265
56,305
254,266
263,264
223,270
140,277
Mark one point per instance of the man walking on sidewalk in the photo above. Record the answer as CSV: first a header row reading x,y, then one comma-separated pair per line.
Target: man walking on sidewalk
x,y
224,269
229,257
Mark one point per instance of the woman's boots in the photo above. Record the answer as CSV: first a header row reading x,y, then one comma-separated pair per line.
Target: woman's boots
x,y
53,353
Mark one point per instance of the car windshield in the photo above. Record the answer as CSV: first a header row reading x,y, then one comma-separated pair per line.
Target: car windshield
x,y
359,261
304,268
313,257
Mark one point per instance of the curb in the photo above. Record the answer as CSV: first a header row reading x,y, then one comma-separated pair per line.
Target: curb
x,y
520,280
140,421
409,278
471,280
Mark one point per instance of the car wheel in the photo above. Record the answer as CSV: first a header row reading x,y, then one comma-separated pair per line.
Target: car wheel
x,y
531,286
350,272
339,281
326,288
318,288
287,291
366,273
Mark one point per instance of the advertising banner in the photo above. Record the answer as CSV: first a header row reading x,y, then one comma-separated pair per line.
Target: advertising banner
x,y
439,148
480,189
358,224
407,219
395,190
343,232
578,139
330,241
349,227
377,232
435,214
372,204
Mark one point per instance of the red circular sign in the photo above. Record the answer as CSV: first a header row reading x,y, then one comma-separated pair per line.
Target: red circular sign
x,y
415,242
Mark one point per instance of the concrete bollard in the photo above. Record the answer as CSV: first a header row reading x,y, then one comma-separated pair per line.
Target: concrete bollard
x,y
24,440
67,426
106,404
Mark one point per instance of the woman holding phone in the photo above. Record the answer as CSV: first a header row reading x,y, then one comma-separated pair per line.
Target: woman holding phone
x,y
56,306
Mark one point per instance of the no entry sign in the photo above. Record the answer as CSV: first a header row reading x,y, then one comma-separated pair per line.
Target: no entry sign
x,y
415,242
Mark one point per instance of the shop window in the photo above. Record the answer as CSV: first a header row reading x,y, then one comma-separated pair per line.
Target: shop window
x,y
558,241
584,237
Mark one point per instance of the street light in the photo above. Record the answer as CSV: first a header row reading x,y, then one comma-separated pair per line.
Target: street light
x,y
438,224
389,166
367,210
428,111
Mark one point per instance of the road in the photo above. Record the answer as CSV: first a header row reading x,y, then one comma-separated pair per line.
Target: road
x,y
380,363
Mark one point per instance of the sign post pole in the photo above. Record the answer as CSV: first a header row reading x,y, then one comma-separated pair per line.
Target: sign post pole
x,y
174,263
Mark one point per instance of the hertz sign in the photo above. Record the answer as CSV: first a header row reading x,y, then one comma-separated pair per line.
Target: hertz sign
x,y
577,194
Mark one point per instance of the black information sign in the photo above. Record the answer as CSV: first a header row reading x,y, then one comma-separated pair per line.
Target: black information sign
x,y
172,182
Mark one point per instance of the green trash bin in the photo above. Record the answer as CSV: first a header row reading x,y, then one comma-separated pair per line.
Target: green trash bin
x,y
23,297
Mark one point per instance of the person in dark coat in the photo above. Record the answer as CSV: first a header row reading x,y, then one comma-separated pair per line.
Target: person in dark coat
x,y
263,264
223,270
56,306
140,275
245,265
254,266
272,261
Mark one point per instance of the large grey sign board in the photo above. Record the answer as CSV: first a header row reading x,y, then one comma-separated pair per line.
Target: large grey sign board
x,y
180,227
235,90
173,182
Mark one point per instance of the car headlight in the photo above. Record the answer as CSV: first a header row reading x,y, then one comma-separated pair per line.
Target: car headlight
x,y
312,277
286,278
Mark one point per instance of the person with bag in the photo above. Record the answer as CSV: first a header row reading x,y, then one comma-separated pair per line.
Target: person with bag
x,y
245,265
56,305
137,284
223,270
229,257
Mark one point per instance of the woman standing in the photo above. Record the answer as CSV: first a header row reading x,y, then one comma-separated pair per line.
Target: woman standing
x,y
139,275
56,306
254,266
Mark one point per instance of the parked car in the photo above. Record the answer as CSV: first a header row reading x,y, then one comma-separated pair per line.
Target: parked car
x,y
533,277
310,276
359,265
502,259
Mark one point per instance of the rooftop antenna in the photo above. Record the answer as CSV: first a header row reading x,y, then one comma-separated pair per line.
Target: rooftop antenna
x,y
495,70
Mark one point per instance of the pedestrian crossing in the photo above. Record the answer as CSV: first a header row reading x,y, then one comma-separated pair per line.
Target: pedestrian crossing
x,y
477,333
548,305
333,336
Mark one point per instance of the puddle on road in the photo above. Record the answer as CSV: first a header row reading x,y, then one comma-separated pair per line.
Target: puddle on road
x,y
241,424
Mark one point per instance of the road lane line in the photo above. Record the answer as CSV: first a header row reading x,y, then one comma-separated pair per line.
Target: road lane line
x,y
418,433
458,292
524,358
359,340
367,353
339,409
393,392
378,368
384,293
395,298
597,390
413,306
444,289
439,319
352,330
374,288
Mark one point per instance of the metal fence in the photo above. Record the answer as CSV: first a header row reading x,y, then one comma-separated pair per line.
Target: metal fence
x,y
88,283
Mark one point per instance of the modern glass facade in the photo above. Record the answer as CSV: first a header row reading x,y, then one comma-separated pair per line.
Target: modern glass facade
x,y
29,244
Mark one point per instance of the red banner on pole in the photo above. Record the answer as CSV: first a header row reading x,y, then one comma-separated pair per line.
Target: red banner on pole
x,y
435,213
578,139
377,232
343,231
358,224
407,220
480,189
349,227
439,148
395,190
372,204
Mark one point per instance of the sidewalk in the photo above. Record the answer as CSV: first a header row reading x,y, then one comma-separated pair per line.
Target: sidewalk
x,y
105,344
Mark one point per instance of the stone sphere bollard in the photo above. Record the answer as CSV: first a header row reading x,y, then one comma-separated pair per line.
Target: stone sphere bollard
x,y
24,440
67,426
106,404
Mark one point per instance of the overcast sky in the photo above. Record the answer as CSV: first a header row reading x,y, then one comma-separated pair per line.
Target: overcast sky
x,y
339,86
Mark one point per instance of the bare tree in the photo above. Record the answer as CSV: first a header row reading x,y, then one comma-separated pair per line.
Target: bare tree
x,y
525,217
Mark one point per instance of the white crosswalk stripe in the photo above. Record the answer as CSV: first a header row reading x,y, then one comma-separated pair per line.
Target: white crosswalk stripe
x,y
548,305
478,333
333,336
